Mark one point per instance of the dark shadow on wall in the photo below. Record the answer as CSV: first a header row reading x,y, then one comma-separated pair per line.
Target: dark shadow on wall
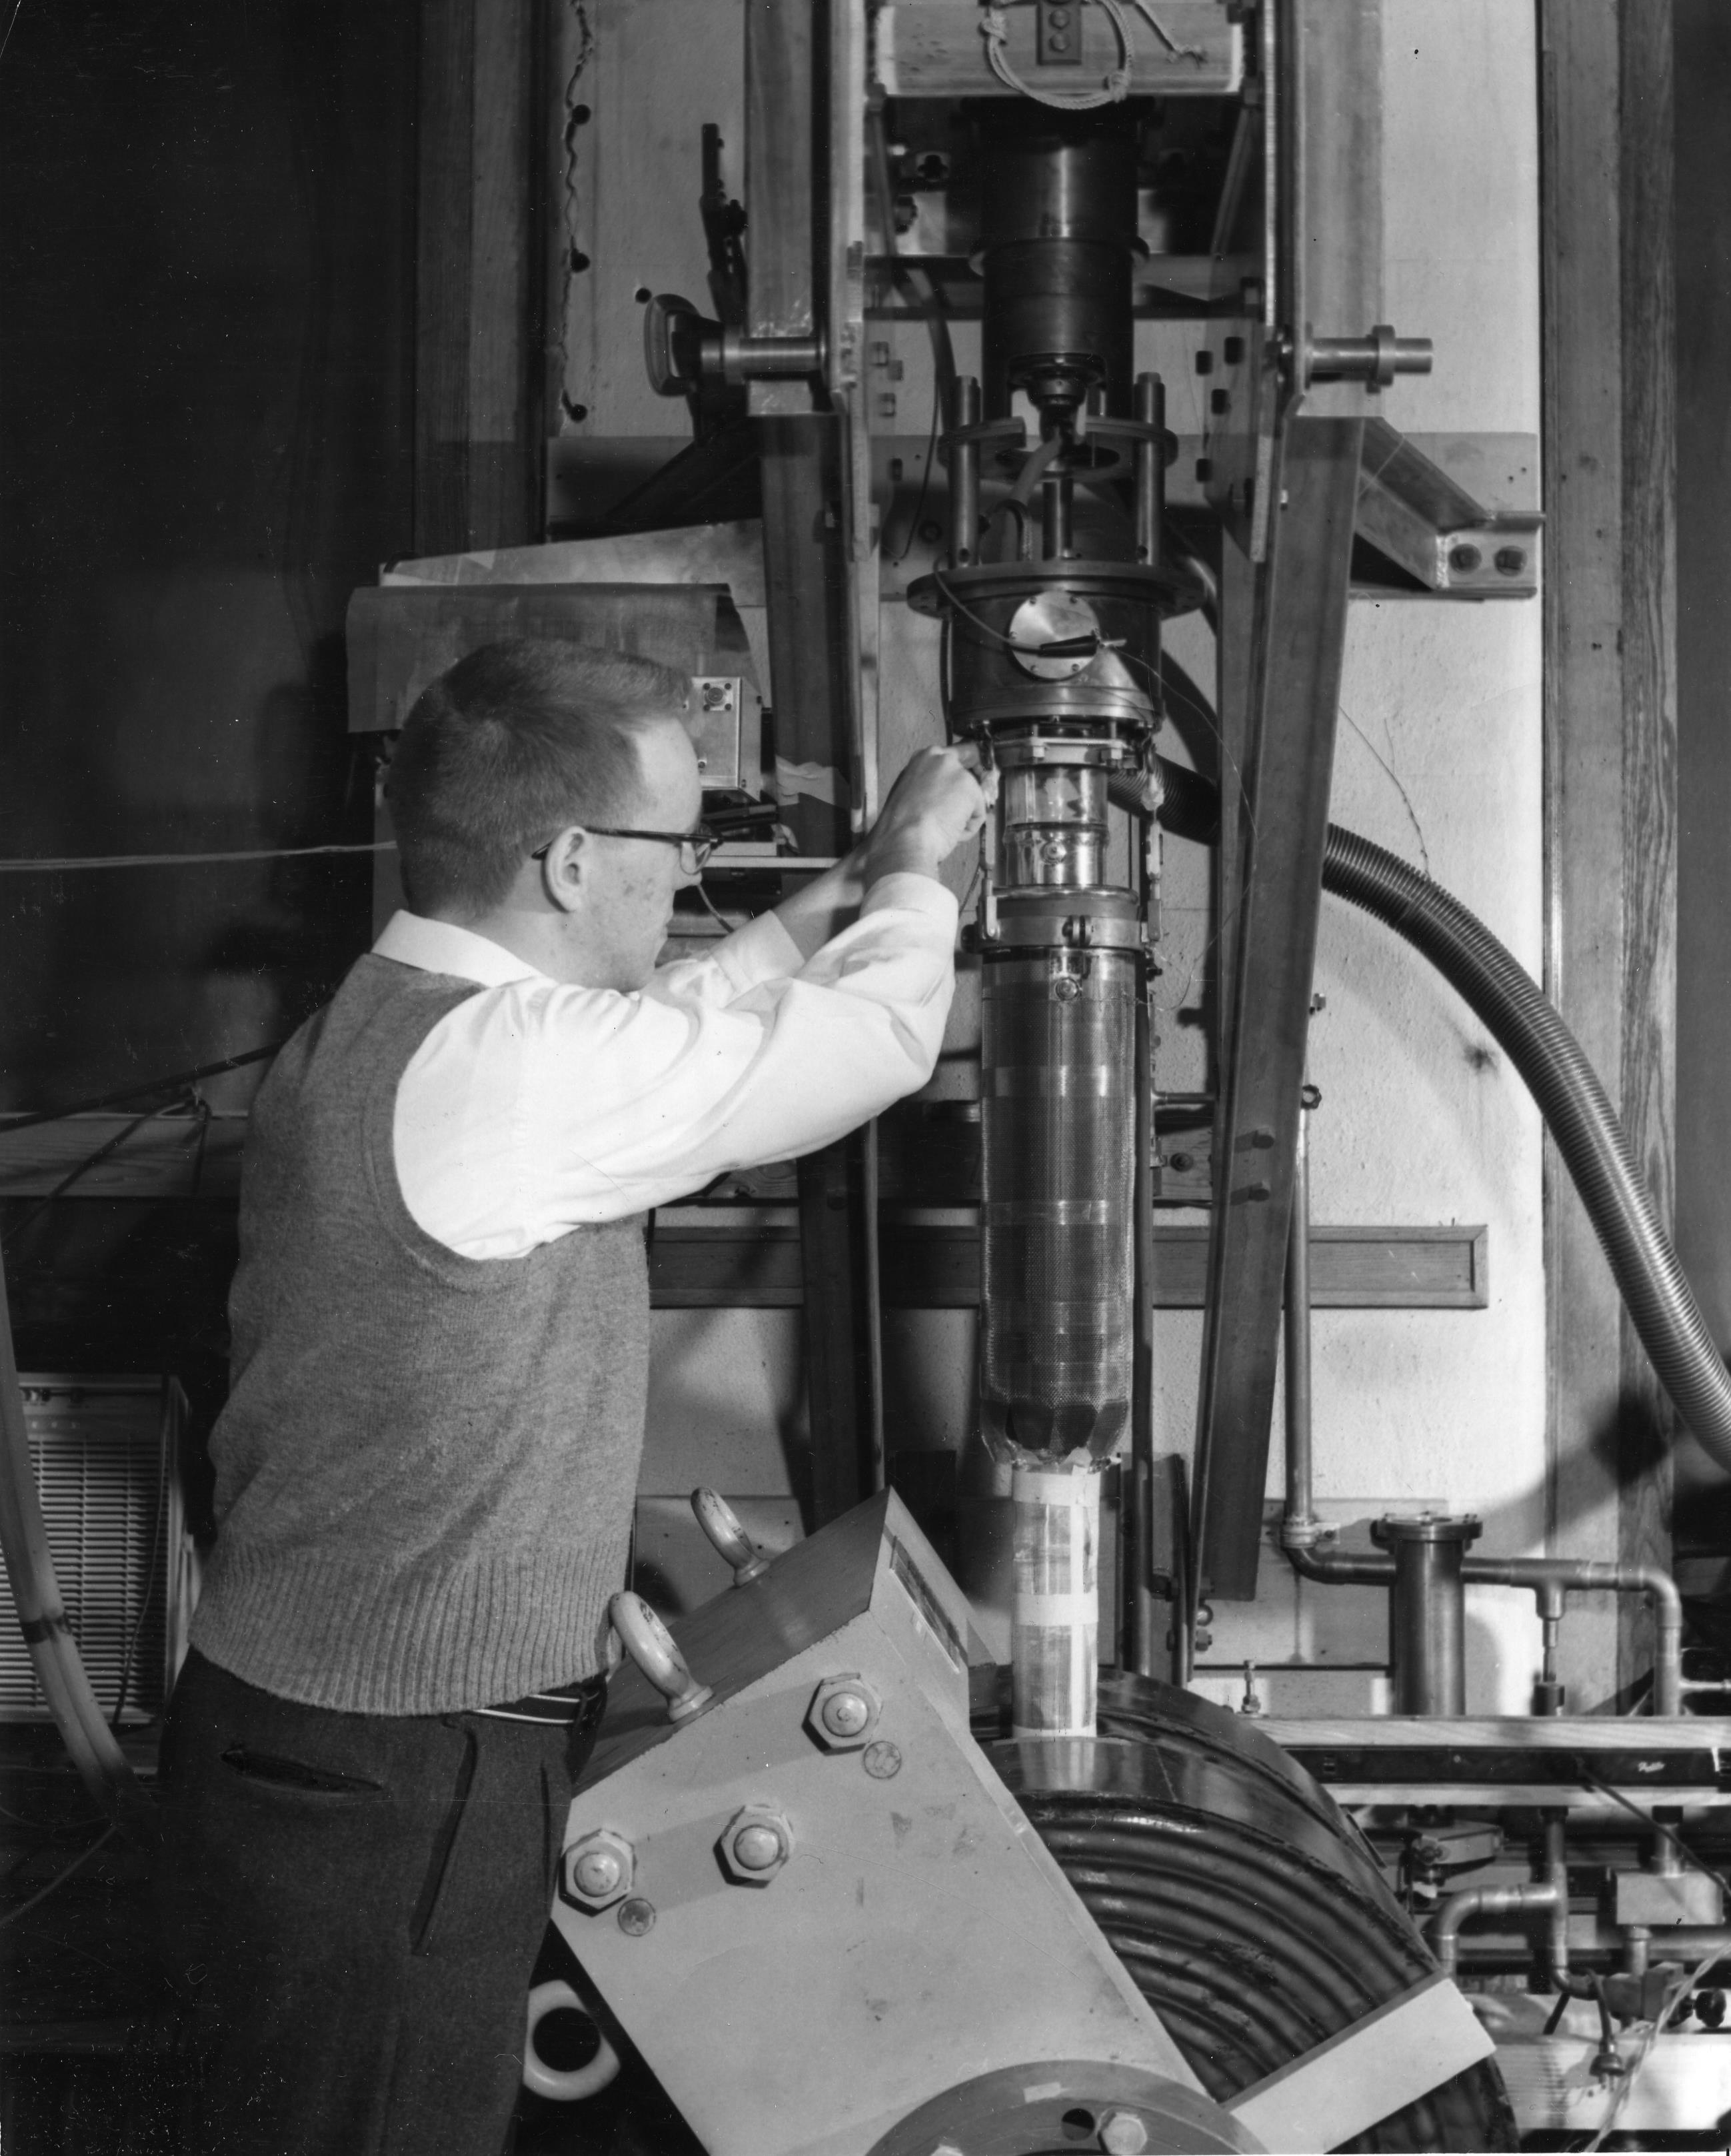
x,y
207,248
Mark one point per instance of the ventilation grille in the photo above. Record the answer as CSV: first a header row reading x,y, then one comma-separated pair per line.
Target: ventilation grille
x,y
105,1451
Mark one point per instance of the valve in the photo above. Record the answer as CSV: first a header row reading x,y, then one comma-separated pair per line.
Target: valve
x,y
650,1646
720,1523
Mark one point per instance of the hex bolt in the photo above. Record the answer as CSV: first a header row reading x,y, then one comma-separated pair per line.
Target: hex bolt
x,y
755,1845
1510,560
1466,559
1123,2134
598,1869
843,1712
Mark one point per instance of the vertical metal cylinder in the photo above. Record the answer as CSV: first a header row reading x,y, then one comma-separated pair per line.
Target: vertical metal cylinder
x,y
1055,1613
964,472
1053,821
1057,504
1058,228
1058,1112
1427,1608
1150,469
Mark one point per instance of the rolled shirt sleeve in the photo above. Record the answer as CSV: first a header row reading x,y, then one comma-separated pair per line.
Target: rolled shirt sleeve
x,y
534,1108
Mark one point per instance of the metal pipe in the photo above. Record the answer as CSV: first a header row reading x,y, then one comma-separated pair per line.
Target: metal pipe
x,y
1587,1576
964,472
1427,1612
1484,1901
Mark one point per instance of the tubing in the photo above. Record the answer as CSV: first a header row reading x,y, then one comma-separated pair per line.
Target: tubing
x,y
42,1615
1533,1034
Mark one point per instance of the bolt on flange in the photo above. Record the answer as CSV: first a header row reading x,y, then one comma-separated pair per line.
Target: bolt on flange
x,y
755,1845
597,1870
842,1713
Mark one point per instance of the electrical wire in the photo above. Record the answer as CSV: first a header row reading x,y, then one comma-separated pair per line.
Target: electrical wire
x,y
90,1161
59,1879
173,1080
59,864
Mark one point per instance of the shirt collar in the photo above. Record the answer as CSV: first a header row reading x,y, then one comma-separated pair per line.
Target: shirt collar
x,y
441,946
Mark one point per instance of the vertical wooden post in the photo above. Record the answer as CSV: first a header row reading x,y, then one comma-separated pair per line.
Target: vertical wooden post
x,y
478,305
1610,731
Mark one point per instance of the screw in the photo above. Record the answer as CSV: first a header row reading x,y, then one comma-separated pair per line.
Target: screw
x,y
757,1848
1123,2134
1182,1162
845,1713
881,1761
1059,41
636,1916
1466,559
1510,560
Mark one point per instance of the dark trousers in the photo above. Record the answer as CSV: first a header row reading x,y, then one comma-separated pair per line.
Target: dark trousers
x,y
350,1907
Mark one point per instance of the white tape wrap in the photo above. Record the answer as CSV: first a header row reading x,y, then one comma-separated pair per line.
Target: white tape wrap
x,y
1055,1613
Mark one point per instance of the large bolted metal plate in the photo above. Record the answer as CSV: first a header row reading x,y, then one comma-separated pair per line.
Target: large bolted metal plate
x,y
919,1932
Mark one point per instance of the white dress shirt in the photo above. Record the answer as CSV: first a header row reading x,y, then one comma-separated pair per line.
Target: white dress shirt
x,y
536,1107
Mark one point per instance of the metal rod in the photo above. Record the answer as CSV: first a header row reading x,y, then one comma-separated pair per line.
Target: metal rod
x,y
1056,503
874,1307
964,472
1137,1491
1150,469
1301,1528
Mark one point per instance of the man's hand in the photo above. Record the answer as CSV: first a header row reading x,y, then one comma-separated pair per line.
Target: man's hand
x,y
939,801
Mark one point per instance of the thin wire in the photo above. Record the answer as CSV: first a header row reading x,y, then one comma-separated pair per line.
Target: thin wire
x,y
175,1079
61,863
90,1161
4,42
59,1879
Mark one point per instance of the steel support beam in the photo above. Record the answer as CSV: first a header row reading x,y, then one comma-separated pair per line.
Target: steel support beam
x,y
1283,821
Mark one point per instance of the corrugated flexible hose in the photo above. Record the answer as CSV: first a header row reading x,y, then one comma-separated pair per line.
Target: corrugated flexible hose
x,y
1528,1028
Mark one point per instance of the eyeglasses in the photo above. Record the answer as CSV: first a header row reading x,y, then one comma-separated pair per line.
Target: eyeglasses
x,y
695,847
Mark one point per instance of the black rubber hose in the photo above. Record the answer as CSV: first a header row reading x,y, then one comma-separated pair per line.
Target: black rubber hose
x,y
1528,1028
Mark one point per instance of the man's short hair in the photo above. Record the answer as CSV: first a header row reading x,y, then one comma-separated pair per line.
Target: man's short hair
x,y
508,747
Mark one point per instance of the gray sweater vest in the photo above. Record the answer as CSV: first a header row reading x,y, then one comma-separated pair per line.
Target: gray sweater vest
x,y
426,1469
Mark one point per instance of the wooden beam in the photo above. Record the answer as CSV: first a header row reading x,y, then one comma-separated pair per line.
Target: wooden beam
x,y
701,1259
1611,748
478,301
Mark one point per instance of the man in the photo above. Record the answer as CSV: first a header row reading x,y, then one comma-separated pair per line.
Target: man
x,y
426,1470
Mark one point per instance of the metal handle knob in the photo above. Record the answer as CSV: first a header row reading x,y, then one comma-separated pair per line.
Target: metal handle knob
x,y
720,1523
650,1646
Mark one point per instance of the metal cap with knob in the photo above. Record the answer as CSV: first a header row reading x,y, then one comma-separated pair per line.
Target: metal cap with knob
x,y
650,1646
